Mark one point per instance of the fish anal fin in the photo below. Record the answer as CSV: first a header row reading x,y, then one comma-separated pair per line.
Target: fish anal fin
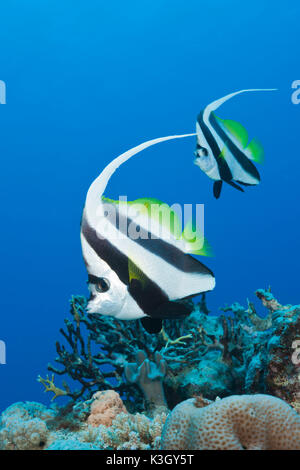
x,y
245,184
152,325
236,186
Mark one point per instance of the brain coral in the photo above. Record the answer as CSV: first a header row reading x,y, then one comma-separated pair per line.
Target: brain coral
x,y
261,422
105,407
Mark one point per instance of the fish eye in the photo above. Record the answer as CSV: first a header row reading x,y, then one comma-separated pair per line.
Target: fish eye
x,y
203,152
102,285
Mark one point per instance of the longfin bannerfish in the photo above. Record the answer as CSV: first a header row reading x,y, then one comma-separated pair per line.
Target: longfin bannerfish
x,y
137,277
223,151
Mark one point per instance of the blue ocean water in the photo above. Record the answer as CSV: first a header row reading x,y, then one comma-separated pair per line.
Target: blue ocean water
x,y
88,80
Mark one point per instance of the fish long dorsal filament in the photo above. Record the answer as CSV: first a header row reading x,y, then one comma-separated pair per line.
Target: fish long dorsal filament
x,y
217,103
98,187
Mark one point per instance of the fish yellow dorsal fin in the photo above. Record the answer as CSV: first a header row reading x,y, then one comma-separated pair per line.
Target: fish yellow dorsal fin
x,y
162,214
254,150
236,129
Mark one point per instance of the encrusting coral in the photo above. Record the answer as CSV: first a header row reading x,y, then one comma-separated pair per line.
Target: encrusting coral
x,y
254,422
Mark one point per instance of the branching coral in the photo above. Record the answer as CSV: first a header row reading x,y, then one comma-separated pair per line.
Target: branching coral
x,y
100,347
239,351
202,355
50,387
259,422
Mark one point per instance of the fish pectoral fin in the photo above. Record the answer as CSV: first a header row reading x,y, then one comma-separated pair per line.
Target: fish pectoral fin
x,y
255,151
217,188
152,325
135,273
225,153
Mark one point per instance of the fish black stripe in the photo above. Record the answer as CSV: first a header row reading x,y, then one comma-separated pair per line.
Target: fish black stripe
x,y
106,251
148,298
224,169
159,247
244,161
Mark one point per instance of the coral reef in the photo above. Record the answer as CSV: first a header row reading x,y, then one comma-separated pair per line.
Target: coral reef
x,y
133,432
97,424
71,444
253,422
282,373
149,376
237,352
105,407
129,380
236,422
51,387
23,426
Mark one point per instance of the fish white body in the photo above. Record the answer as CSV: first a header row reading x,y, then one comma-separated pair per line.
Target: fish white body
x,y
163,271
219,154
206,163
115,302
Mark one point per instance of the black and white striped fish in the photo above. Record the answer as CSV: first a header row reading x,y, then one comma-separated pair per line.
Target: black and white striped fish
x,y
223,151
136,277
